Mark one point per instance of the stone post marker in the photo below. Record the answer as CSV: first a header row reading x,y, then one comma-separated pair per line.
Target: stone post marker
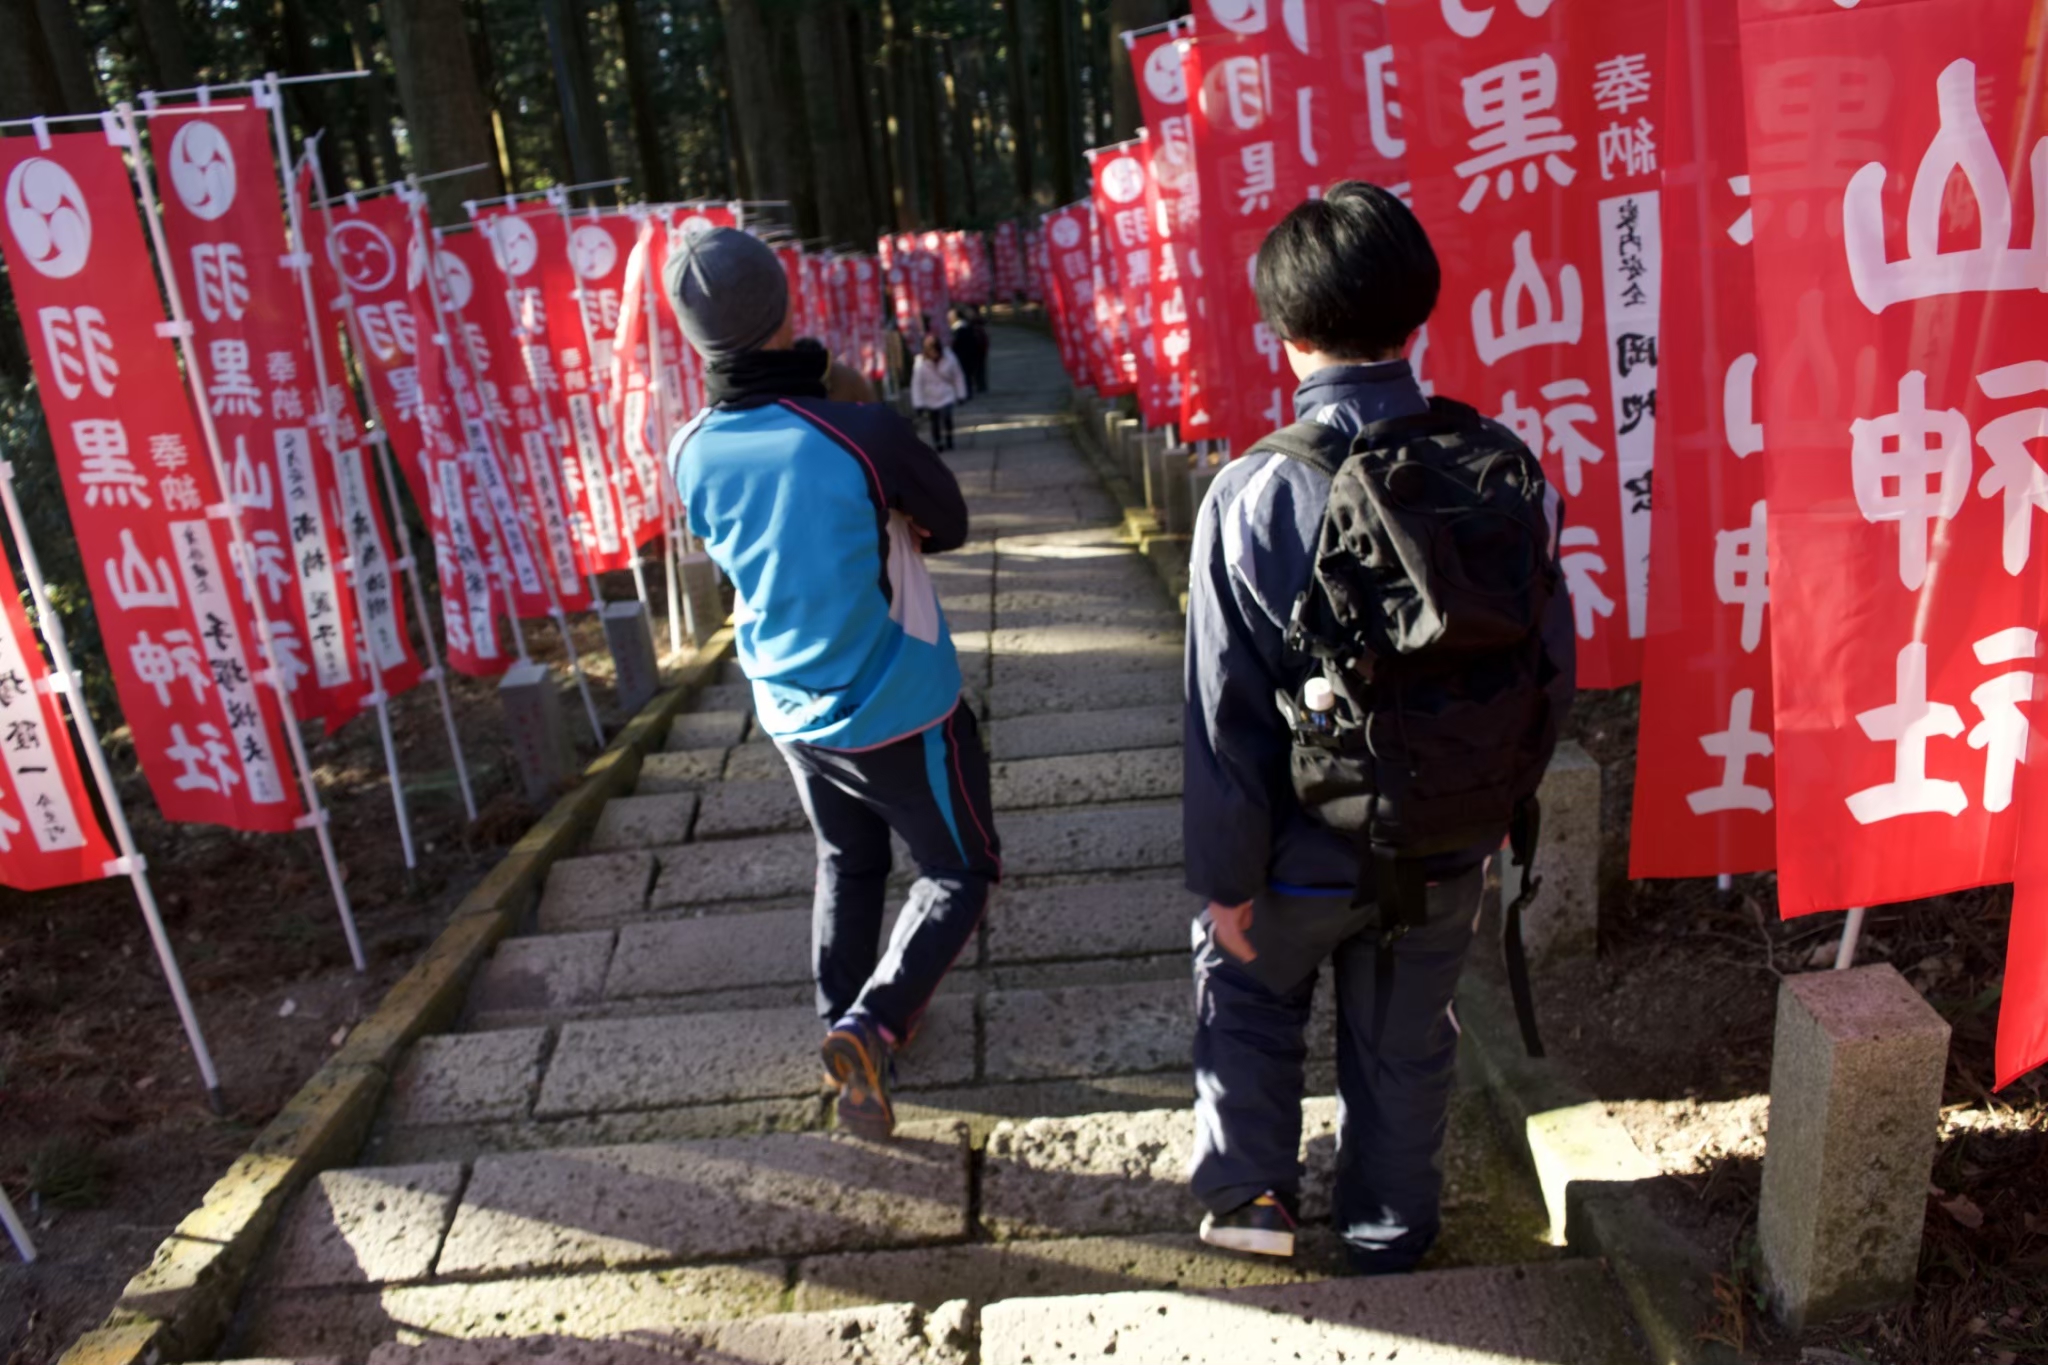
x,y
1564,919
1856,1073
630,637
700,585
538,730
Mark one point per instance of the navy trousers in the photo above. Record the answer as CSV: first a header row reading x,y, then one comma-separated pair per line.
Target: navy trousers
x,y
1397,1046
932,789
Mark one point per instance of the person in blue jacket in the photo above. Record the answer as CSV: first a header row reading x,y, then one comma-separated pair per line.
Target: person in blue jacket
x,y
821,514
1346,282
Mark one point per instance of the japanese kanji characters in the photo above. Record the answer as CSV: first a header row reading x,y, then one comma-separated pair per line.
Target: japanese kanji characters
x,y
1736,747
1516,133
1911,467
80,352
1742,573
1961,146
1529,315
1558,429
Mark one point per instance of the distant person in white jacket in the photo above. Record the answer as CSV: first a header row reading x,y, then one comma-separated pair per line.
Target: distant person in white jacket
x,y
936,384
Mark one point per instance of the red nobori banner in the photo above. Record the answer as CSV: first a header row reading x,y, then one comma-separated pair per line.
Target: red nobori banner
x,y
647,399
356,479
1181,331
218,184
1123,255
1704,774
532,253
596,247
48,833
1900,385
140,486
1248,156
1069,238
1532,146
526,434
1009,261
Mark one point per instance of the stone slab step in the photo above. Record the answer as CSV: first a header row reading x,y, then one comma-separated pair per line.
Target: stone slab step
x,y
1106,686
1085,779
1085,732
669,1060
1568,1313
647,1328
630,822
1092,919
785,1194
707,729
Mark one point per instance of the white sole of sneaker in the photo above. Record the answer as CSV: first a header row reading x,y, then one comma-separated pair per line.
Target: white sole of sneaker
x,y
1256,1241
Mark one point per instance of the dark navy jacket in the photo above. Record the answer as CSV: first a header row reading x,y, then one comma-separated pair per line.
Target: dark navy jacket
x,y
1253,554
839,627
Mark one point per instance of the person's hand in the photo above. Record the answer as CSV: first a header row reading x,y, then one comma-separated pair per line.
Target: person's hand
x,y
1230,924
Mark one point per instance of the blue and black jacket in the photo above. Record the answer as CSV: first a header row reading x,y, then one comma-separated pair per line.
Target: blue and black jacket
x,y
792,496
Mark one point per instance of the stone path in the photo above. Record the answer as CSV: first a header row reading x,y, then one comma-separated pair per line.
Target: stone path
x,y
625,1154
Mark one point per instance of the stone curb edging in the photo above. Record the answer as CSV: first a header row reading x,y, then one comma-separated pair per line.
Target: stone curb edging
x,y
1592,1175
179,1306
1584,1159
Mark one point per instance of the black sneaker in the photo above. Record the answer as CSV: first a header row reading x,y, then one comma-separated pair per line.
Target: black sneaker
x,y
857,1061
1263,1227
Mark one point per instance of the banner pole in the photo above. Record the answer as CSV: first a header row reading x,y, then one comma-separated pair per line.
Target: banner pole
x,y
408,561
607,430
1852,932
650,304
494,438
68,681
17,1231
300,262
195,375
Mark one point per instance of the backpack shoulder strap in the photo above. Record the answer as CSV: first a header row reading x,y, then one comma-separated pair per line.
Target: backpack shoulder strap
x,y
1322,448
1441,418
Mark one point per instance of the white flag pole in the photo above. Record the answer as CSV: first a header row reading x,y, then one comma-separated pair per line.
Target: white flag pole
x,y
315,817
66,681
300,262
408,560
445,337
1852,931
17,1232
650,305
607,428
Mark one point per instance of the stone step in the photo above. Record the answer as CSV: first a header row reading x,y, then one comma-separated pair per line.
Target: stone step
x,y
1085,732
1567,1312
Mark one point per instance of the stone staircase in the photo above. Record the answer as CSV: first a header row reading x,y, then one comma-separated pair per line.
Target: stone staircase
x,y
624,1153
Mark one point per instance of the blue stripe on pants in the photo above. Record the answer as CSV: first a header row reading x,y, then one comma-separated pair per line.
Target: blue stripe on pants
x,y
942,786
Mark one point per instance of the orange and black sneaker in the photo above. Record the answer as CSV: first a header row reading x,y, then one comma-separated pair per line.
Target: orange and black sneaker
x,y
857,1060
1264,1227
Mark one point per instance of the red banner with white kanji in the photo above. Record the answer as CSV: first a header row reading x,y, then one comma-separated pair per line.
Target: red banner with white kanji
x,y
1123,258
1532,146
596,249
140,485
49,835
1009,261
531,252
525,447
1172,206
361,512
1898,159
1704,769
217,181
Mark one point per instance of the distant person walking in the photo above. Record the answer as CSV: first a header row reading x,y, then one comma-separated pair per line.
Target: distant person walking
x,y
970,344
936,384
822,514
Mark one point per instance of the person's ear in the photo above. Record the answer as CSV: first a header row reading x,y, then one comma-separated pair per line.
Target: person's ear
x,y
1302,361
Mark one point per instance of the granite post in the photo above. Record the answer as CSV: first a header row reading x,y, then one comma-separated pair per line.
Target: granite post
x,y
701,588
1856,1076
538,729
630,637
1564,919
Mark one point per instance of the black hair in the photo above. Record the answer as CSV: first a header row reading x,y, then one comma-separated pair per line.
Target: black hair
x,y
1351,274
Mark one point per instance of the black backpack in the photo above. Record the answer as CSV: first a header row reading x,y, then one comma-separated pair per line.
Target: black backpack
x,y
1435,570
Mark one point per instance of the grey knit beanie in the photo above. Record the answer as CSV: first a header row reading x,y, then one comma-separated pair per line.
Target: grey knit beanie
x,y
728,291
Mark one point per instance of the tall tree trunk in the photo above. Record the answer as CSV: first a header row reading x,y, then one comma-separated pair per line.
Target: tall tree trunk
x,y
446,117
1024,178
569,44
163,37
759,104
656,181
28,78
376,95
931,137
838,166
1125,15
307,102
904,114
1061,126
861,69
68,56
961,99
797,98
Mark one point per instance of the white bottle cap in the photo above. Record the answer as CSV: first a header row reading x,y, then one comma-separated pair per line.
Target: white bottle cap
x,y
1318,695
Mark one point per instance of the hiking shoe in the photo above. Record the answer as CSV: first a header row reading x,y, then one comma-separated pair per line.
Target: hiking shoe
x,y
857,1061
1262,1227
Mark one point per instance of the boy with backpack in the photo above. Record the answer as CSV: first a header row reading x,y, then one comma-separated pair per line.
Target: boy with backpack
x,y
1379,655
